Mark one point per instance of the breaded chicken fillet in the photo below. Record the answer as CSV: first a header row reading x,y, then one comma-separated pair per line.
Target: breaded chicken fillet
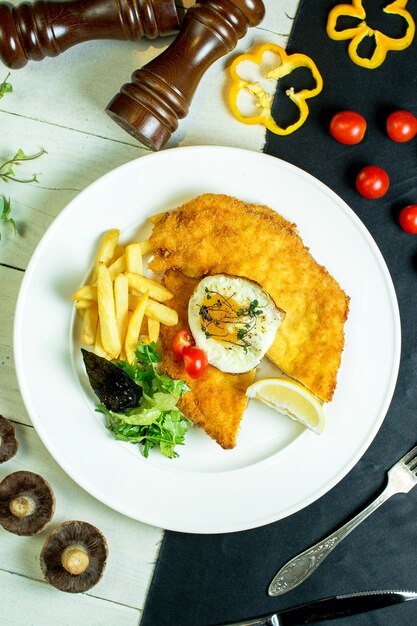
x,y
217,400
218,234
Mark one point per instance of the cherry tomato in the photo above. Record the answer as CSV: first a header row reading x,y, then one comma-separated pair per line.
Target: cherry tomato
x,y
183,339
408,219
195,361
348,127
401,126
372,182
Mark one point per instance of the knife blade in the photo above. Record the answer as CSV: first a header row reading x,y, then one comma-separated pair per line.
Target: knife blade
x,y
330,608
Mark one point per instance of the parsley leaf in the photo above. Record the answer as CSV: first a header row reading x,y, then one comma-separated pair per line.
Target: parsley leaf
x,y
147,353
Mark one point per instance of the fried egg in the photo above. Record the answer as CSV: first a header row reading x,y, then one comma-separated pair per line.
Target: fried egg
x,y
234,321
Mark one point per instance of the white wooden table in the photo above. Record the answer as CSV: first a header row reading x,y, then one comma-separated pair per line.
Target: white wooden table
x,y
59,104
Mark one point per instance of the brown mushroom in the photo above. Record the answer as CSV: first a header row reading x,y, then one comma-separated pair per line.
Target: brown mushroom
x,y
74,557
27,503
8,442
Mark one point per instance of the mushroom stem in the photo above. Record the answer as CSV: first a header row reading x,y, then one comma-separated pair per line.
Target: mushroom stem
x,y
75,559
22,506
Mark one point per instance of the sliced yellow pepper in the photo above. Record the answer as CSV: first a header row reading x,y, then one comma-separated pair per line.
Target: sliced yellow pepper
x,y
289,62
383,43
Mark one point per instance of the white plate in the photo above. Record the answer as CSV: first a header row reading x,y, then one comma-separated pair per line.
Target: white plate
x,y
277,467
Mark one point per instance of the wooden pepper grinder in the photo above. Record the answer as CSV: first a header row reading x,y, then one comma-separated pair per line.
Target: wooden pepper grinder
x,y
160,93
49,27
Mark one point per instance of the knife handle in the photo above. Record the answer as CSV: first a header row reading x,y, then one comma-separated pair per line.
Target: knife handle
x,y
331,608
296,571
260,621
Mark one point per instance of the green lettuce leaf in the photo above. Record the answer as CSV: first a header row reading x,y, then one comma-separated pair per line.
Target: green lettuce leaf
x,y
156,421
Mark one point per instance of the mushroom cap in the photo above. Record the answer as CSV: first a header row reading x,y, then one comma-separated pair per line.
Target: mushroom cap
x,y
74,533
26,485
8,442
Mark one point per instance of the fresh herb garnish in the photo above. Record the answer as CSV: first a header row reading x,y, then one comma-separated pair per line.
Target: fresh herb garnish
x,y
157,420
7,168
7,172
5,87
204,313
253,309
242,332
5,212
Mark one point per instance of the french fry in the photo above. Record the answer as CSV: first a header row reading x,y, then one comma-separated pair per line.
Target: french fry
x,y
153,329
106,250
144,327
133,329
90,321
157,311
145,246
86,292
89,292
80,312
81,305
98,345
142,284
118,267
122,355
134,261
118,251
106,311
121,304
161,313
157,217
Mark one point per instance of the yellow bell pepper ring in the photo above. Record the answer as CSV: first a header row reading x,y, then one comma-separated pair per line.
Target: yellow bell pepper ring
x,y
264,99
383,43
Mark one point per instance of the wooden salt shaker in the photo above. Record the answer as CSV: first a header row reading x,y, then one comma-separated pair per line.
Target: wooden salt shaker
x,y
160,93
49,27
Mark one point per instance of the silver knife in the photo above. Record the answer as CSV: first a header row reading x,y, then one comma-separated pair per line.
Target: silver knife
x,y
333,607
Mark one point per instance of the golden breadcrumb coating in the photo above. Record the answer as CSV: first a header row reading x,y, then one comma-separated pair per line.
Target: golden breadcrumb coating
x,y
218,234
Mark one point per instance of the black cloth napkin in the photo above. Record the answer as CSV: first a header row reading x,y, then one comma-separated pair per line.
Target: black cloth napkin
x,y
201,580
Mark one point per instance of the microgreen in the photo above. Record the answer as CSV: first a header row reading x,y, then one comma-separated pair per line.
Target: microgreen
x,y
253,310
241,333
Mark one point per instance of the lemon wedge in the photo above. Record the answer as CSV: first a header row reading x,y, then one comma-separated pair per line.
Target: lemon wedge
x,y
290,398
